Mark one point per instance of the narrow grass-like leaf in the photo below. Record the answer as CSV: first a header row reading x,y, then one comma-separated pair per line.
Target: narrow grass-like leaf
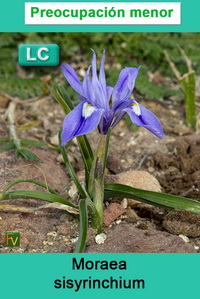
x,y
7,146
4,139
154,198
41,184
29,142
83,226
36,195
65,96
96,220
71,169
106,149
87,155
29,125
188,84
56,94
27,154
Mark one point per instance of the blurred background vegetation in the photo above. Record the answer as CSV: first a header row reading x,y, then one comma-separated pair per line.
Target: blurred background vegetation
x,y
123,49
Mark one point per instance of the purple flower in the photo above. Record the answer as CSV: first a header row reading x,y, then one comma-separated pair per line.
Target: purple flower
x,y
94,108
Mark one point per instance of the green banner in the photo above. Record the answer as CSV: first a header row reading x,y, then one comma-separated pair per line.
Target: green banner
x,y
15,10
138,276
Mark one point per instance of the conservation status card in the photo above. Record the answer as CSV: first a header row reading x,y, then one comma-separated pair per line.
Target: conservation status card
x,y
99,149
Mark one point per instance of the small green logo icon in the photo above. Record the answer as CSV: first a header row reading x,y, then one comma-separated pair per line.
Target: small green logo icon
x,y
12,239
38,55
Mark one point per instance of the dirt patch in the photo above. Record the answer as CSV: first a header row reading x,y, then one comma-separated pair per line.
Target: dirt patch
x,y
174,161
179,169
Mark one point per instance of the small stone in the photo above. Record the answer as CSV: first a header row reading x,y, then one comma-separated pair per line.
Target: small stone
x,y
73,191
74,141
111,213
63,229
184,223
196,247
50,243
122,134
64,218
82,72
131,215
181,130
124,203
74,240
52,234
54,140
65,240
184,238
137,179
118,221
81,175
100,239
151,169
114,164
60,159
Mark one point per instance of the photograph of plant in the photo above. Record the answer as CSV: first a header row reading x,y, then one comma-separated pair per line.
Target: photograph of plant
x,y
101,154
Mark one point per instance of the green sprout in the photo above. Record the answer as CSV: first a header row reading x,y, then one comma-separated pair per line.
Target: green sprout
x,y
187,83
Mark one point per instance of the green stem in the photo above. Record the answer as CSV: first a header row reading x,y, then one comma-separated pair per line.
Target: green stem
x,y
98,174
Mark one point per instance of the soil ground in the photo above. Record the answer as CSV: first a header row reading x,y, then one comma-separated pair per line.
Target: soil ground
x,y
174,161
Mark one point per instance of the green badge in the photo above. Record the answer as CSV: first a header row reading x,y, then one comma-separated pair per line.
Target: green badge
x,y
12,239
38,55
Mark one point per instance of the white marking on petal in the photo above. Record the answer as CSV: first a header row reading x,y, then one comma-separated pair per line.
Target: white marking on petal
x,y
136,109
88,110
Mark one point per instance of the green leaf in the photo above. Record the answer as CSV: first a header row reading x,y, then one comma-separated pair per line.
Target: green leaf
x,y
56,94
4,139
7,146
36,195
83,226
65,96
95,218
106,149
41,184
29,125
27,154
29,142
188,84
87,155
70,169
154,198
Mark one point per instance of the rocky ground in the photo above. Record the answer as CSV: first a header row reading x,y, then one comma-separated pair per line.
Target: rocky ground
x,y
137,158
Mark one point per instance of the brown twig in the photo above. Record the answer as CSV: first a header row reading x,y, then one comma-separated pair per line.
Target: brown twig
x,y
172,65
187,60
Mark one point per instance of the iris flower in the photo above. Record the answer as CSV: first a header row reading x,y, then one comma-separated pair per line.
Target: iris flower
x,y
103,106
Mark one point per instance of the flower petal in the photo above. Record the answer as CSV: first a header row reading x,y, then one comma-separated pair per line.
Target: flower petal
x,y
102,77
81,120
145,118
88,88
109,90
99,90
124,87
72,78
